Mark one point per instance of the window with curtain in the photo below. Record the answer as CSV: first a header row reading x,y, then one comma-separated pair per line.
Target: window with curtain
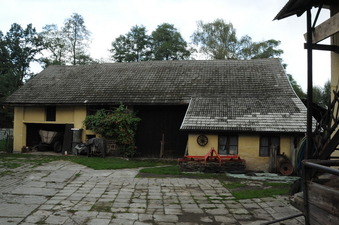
x,y
267,143
228,145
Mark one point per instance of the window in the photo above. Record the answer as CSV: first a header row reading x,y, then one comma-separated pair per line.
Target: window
x,y
50,113
228,145
267,143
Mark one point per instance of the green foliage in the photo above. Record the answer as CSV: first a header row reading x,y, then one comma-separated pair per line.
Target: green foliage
x,y
296,87
167,43
67,45
17,50
77,38
120,125
218,40
56,44
132,47
321,95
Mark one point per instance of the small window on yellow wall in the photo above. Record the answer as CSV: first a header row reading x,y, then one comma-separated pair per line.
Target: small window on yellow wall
x,y
267,143
50,112
228,145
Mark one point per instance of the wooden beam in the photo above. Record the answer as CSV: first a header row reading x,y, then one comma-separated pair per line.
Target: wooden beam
x,y
332,48
325,29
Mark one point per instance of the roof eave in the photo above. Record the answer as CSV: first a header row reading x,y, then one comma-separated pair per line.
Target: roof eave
x,y
298,7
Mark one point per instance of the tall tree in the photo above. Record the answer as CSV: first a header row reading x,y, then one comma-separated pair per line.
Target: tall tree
x,y
119,49
139,44
132,47
22,47
55,42
18,49
218,40
167,43
77,37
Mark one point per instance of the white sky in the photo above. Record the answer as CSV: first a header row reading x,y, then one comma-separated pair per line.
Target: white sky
x,y
107,19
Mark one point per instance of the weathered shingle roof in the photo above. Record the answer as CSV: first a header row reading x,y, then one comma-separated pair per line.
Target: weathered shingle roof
x,y
252,95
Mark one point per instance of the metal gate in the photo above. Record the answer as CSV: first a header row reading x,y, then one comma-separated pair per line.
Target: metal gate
x,y
6,140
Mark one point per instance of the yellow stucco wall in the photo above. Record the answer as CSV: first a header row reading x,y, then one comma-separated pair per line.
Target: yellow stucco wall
x,y
248,149
195,149
34,114
19,131
64,115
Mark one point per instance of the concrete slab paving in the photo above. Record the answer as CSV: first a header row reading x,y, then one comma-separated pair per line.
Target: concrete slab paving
x,y
65,193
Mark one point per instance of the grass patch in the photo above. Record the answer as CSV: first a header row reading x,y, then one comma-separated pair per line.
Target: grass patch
x,y
16,160
174,170
10,165
242,190
111,163
259,193
164,170
101,207
234,185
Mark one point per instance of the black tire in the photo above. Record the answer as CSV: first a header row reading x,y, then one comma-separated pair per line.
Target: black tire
x,y
57,147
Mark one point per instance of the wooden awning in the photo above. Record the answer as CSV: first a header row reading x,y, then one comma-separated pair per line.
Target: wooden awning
x,y
298,7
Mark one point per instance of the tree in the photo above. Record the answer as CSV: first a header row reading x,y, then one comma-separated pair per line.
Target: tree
x,y
326,96
18,49
55,42
258,50
77,37
296,87
132,47
321,95
167,43
218,40
119,49
22,47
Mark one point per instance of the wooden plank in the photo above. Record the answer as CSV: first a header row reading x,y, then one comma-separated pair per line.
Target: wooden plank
x,y
324,197
319,216
325,29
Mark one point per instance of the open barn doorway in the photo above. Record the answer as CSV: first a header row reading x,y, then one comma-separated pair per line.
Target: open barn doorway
x,y
58,136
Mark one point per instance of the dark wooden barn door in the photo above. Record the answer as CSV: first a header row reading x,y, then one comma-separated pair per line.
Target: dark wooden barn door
x,y
161,124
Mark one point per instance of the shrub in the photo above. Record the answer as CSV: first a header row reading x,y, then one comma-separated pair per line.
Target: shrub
x,y
120,125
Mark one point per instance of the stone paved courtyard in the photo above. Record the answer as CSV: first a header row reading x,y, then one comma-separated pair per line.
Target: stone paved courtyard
x,y
62,192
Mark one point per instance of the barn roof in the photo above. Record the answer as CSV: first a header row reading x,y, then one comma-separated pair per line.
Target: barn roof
x,y
252,95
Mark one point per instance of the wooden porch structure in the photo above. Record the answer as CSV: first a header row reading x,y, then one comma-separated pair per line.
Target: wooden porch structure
x,y
317,199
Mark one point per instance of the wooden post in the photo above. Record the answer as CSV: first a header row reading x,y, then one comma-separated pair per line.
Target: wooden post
x,y
162,146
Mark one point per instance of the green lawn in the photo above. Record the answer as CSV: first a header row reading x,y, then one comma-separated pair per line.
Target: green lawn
x,y
7,160
243,190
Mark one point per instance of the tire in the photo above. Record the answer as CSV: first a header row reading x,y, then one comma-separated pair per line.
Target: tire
x,y
57,147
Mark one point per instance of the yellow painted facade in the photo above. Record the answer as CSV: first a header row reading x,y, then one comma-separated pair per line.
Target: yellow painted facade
x,y
248,149
248,145
64,115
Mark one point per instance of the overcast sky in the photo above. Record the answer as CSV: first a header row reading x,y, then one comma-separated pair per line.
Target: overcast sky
x,y
107,19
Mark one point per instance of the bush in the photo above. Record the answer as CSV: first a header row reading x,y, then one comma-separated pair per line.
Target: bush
x,y
120,125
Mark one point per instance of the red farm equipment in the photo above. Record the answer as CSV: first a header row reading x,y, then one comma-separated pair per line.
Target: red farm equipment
x,y
212,162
